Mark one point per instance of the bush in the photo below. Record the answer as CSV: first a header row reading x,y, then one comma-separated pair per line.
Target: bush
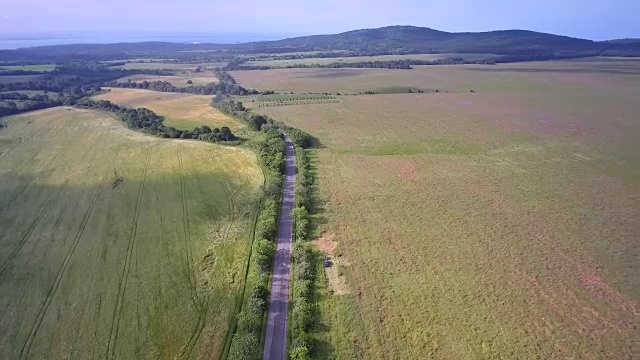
x,y
245,347
264,253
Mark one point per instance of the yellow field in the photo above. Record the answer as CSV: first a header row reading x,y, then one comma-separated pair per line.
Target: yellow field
x,y
500,224
114,244
183,111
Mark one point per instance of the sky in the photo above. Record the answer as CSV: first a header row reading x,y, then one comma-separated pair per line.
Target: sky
x,y
591,19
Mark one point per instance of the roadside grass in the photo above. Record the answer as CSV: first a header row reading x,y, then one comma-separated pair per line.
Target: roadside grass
x,y
113,243
184,111
491,225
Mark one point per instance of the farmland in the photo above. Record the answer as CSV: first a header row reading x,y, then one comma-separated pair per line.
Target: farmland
x,y
176,80
494,224
49,67
118,245
164,66
354,59
17,78
184,111
516,76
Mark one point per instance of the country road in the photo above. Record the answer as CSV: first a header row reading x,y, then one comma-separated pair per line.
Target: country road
x,y
275,345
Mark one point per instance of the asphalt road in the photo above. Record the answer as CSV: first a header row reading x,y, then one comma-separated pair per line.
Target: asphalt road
x,y
275,345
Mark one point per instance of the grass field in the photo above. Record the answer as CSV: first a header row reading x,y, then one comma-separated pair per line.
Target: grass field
x,y
50,67
164,66
179,80
496,225
504,77
184,111
17,78
114,244
353,59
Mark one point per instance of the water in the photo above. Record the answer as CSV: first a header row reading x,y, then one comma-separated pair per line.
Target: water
x,y
16,41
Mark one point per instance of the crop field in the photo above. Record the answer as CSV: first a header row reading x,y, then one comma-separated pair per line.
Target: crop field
x,y
164,66
354,59
179,80
184,111
114,244
286,99
500,224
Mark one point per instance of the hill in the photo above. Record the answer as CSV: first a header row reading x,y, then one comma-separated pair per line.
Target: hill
x,y
521,44
411,39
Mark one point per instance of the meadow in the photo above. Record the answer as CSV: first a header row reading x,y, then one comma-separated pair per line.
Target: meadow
x,y
164,66
354,59
46,67
495,224
114,244
179,79
183,111
17,78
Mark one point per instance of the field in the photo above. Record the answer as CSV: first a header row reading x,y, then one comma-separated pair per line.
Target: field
x,y
179,80
28,67
353,59
495,224
17,78
184,111
503,77
114,244
164,66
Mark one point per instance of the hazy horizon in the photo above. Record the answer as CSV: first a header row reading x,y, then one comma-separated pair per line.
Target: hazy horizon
x,y
588,19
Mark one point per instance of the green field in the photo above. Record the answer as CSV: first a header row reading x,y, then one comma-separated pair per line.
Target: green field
x,y
17,78
50,67
114,244
499,224
179,80
164,66
354,59
184,111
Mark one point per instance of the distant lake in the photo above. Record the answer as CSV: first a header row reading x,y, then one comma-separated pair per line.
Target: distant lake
x,y
16,41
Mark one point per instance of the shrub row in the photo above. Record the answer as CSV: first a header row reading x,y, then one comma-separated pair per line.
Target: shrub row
x,y
146,120
245,344
303,314
260,122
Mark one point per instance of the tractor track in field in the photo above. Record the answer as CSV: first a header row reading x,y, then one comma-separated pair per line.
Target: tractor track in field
x,y
115,322
199,303
43,212
187,233
24,353
15,196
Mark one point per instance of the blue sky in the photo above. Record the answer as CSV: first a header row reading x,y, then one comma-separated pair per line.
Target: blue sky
x,y
593,19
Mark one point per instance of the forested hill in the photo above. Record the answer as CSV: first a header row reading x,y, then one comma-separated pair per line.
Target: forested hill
x,y
411,39
385,40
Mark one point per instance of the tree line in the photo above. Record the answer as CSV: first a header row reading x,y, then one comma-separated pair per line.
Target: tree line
x,y
405,64
257,122
226,85
245,344
149,122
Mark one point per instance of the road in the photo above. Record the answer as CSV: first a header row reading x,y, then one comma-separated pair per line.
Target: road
x,y
275,345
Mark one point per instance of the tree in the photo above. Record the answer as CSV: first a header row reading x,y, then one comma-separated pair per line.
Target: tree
x,y
244,347
300,352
